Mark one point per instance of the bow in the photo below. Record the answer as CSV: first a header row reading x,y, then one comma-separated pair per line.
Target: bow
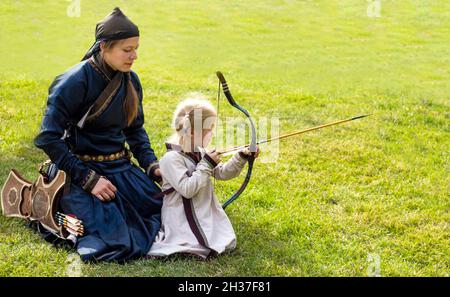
x,y
251,157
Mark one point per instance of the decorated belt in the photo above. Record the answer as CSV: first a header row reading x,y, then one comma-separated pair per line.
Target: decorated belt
x,y
111,157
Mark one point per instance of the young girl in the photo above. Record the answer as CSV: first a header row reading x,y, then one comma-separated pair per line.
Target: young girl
x,y
193,221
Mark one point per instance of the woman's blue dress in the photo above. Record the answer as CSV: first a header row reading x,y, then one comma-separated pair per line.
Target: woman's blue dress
x,y
125,227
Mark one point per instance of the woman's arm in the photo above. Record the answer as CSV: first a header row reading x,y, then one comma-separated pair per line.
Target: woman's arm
x,y
66,96
137,137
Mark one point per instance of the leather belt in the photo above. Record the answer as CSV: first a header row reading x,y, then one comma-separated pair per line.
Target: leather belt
x,y
111,157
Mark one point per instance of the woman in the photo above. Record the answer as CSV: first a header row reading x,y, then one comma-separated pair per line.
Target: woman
x,y
112,196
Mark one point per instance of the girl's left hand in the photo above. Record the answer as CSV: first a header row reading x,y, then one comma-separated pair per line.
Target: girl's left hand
x,y
247,152
158,174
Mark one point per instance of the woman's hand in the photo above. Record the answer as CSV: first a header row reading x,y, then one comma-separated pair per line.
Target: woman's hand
x,y
104,190
247,152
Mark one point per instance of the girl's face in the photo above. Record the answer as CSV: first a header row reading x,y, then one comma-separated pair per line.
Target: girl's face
x,y
206,138
122,55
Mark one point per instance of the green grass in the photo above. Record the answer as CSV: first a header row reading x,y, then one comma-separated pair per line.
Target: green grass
x,y
376,186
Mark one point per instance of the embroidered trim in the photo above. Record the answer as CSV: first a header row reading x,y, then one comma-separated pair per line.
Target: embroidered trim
x,y
96,68
151,168
189,157
90,181
112,87
244,156
151,172
111,157
92,117
164,193
193,222
194,156
87,178
174,147
210,161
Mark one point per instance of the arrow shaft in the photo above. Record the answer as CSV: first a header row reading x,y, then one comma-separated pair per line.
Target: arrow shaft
x,y
232,149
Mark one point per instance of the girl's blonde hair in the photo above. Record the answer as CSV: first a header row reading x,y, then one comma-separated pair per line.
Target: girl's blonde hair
x,y
194,113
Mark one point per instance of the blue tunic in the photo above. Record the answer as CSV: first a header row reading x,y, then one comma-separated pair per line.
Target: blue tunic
x,y
125,227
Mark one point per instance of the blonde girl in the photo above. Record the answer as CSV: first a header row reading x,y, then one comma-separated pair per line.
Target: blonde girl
x,y
193,221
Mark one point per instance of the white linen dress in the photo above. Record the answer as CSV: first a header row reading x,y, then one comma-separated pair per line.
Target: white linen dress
x,y
193,206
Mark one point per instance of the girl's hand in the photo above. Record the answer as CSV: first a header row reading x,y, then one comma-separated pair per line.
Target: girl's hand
x,y
215,156
247,152
158,174
104,190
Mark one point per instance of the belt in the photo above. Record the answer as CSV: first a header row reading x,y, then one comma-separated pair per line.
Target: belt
x,y
111,157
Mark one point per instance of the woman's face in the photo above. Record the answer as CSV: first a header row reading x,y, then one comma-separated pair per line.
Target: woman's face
x,y
122,55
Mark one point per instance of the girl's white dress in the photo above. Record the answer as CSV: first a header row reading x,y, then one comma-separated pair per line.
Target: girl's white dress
x,y
199,212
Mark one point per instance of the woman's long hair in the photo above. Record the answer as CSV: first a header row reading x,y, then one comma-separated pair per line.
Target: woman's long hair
x,y
131,103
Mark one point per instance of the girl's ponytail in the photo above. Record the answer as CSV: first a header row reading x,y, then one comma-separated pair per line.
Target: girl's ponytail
x,y
184,118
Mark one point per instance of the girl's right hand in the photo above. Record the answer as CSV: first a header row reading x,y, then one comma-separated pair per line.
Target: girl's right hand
x,y
104,190
215,156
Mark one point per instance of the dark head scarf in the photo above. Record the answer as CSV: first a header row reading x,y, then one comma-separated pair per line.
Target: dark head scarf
x,y
114,26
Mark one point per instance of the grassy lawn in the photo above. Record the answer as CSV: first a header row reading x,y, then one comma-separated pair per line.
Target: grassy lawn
x,y
333,201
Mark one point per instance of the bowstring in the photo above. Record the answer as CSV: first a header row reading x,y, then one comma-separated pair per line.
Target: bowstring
x,y
217,126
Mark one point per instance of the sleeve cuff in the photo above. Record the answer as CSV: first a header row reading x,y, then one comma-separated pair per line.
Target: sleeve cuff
x,y
243,156
210,161
89,182
151,172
